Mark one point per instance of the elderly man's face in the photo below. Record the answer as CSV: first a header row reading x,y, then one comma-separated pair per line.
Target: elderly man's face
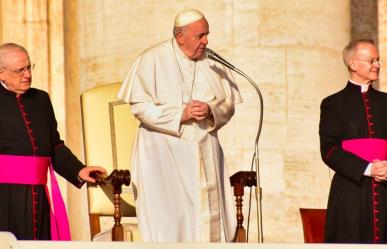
x,y
193,40
15,72
365,63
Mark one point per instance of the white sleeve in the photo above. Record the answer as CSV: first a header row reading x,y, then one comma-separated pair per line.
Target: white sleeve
x,y
367,172
164,118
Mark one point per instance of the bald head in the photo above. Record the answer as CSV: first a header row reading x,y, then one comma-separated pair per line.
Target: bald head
x,y
7,48
350,50
15,68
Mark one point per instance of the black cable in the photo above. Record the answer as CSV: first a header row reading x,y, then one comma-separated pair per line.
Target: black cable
x,y
249,212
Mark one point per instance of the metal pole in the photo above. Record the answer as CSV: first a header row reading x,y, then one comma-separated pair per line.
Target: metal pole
x,y
213,55
258,189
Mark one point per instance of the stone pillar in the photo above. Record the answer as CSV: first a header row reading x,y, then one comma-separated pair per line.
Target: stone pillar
x,y
364,19
55,67
77,205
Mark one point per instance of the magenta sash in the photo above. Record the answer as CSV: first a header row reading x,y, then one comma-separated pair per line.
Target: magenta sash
x,y
33,170
368,149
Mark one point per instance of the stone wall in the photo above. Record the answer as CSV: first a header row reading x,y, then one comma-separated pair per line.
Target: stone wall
x,y
298,62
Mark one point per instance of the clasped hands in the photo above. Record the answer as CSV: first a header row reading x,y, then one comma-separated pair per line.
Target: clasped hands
x,y
195,110
379,170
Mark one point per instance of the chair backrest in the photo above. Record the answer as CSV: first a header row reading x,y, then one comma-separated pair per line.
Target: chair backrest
x,y
8,241
313,223
109,131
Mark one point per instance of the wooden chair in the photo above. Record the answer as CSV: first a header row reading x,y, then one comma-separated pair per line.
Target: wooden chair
x,y
109,130
239,181
313,224
116,179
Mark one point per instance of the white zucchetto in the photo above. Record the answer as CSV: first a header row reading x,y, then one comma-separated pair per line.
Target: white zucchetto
x,y
187,16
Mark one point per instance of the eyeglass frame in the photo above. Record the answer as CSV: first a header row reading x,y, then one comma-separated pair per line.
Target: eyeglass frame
x,y
20,72
372,61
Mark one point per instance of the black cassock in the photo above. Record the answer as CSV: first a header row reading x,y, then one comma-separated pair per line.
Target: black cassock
x,y
357,204
28,128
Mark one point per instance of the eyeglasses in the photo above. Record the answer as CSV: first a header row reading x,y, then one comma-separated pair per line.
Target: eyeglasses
x,y
20,72
372,61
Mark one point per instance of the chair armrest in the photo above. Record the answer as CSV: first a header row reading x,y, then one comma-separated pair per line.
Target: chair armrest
x,y
238,181
116,179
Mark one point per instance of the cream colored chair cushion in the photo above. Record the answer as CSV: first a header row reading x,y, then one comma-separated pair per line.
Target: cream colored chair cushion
x,y
8,240
109,131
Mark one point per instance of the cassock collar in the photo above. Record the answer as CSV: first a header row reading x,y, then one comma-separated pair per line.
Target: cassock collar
x,y
364,87
2,83
3,88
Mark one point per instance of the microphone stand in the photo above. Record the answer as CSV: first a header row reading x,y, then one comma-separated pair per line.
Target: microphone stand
x,y
212,55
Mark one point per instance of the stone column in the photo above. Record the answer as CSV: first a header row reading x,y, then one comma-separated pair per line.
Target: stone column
x,y
56,76
364,19
77,205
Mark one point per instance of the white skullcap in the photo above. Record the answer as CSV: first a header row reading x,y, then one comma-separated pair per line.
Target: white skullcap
x,y
187,16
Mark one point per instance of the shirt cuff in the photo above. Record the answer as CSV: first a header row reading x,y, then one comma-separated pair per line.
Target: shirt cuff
x,y
367,172
80,180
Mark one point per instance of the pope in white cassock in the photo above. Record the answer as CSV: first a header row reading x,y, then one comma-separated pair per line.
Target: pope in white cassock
x,y
181,98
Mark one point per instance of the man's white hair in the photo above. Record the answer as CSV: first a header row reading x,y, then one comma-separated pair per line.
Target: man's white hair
x,y
9,47
350,50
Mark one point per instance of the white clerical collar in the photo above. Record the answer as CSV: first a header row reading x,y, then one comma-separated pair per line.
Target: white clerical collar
x,y
4,85
364,87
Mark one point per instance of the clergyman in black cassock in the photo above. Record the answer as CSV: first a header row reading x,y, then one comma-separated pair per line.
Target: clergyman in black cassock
x,y
28,128
357,204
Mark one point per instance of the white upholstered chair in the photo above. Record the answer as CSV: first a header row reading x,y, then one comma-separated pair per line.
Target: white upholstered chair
x,y
8,241
109,130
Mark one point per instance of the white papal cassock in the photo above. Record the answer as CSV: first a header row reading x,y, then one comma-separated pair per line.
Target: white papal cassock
x,y
182,185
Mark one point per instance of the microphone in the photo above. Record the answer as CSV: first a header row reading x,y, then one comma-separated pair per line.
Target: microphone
x,y
216,57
